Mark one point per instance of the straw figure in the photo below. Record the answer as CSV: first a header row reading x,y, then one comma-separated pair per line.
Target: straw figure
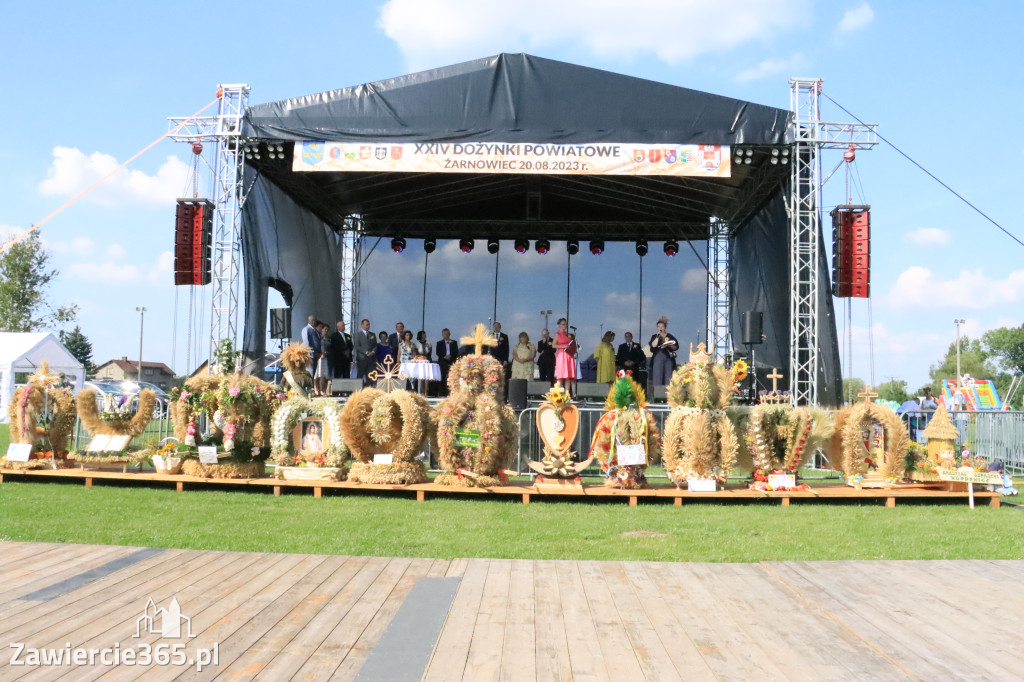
x,y
626,438
396,423
700,441
477,432
295,359
42,397
869,443
118,422
781,439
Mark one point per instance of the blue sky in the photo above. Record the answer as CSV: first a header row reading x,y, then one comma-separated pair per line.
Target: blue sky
x,y
87,87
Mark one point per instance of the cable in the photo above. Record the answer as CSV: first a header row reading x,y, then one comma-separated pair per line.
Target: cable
x,y
106,177
930,174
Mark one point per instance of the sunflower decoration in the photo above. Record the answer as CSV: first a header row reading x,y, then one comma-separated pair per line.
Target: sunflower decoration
x,y
626,438
740,369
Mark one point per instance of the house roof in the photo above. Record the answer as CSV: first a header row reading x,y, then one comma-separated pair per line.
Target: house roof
x,y
127,365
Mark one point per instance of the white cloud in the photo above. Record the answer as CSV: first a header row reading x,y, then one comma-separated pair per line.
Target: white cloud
x,y
927,236
917,287
81,246
116,251
72,171
771,67
857,18
114,273
694,281
435,32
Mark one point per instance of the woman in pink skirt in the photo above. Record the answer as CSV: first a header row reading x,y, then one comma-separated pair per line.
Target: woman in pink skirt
x,y
565,357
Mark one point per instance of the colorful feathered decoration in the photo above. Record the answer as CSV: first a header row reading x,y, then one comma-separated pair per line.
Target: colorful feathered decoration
x,y
626,438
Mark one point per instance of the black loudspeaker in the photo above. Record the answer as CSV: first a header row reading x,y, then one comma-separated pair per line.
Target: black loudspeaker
x,y
517,394
751,323
280,323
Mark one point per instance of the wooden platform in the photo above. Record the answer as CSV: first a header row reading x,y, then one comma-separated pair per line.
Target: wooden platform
x,y
281,616
931,492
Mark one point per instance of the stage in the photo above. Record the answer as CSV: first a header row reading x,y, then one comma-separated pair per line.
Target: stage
x,y
931,493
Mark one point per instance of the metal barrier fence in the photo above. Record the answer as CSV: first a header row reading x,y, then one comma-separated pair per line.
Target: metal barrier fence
x,y
996,436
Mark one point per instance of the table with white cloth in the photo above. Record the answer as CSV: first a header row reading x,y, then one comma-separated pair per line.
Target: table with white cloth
x,y
423,371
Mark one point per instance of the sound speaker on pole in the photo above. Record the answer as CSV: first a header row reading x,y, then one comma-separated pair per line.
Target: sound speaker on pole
x,y
280,323
751,323
517,394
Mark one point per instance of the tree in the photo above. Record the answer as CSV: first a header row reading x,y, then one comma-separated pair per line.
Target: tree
x,y
78,344
1006,344
851,387
894,389
973,361
24,279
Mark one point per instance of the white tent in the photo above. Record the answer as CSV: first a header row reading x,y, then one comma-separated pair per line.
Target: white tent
x,y
22,354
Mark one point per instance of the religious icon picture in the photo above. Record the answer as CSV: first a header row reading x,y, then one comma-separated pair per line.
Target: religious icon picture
x,y
312,431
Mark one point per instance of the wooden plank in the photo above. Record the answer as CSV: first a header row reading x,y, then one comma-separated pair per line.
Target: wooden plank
x,y
420,496
317,491
620,656
585,653
678,502
457,568
519,647
339,642
277,491
785,501
438,569
687,658
15,589
717,637
352,660
320,626
293,615
483,662
179,486
35,573
552,648
88,482
448,661
526,498
890,502
651,653
273,604
632,500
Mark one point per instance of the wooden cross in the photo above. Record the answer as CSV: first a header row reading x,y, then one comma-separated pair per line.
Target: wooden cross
x,y
480,338
867,394
774,376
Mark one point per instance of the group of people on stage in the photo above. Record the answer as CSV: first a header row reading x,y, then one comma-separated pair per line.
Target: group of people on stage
x,y
552,358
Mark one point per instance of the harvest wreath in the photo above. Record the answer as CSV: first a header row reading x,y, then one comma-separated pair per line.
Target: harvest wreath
x,y
118,422
377,423
291,460
888,456
41,400
781,439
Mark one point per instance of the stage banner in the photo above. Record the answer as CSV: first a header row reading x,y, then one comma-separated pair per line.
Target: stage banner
x,y
606,158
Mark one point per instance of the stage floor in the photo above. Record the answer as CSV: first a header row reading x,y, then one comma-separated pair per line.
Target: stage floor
x,y
288,616
525,491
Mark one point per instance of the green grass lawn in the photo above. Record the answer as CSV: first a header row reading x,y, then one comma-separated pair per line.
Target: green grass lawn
x,y
449,528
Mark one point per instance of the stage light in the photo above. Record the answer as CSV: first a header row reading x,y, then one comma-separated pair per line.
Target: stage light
x,y
775,151
748,151
671,247
466,245
542,246
573,247
398,244
641,247
492,246
429,244
597,247
522,245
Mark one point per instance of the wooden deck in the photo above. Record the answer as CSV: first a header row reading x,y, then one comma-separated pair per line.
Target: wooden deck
x,y
280,617
930,492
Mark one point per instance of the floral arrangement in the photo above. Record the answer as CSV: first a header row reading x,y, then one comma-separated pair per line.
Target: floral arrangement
x,y
781,439
476,403
700,441
627,422
225,356
282,444
119,421
559,398
857,461
398,423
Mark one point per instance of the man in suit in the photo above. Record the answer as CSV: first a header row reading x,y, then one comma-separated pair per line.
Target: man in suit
x,y
311,337
446,352
500,352
364,349
630,355
339,352
395,339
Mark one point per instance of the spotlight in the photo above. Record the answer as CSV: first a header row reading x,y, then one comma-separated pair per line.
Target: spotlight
x,y
466,245
597,247
671,247
775,151
573,247
785,151
748,151
492,246
775,161
543,246
398,244
522,245
641,247
429,244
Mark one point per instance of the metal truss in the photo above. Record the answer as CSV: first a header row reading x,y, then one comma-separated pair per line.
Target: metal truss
x,y
228,171
810,135
351,260
719,333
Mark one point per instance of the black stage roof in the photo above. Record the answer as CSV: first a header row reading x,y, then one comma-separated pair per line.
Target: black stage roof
x,y
521,98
